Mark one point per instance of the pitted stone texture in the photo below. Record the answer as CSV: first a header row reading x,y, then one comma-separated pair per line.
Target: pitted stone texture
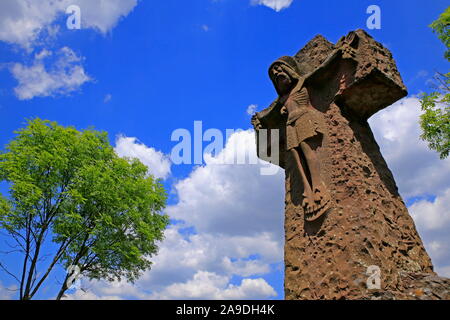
x,y
369,224
415,286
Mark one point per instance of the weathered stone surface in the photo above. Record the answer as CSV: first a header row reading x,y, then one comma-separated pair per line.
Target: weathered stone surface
x,y
365,221
368,225
415,286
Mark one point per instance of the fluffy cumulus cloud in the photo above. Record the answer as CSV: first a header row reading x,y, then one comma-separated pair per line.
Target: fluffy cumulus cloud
x,y
103,15
276,5
228,235
433,222
23,22
203,285
417,170
433,215
32,24
207,285
231,199
420,174
158,164
61,77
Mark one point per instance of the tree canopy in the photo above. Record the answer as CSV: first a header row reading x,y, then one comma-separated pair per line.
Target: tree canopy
x,y
442,28
70,190
435,120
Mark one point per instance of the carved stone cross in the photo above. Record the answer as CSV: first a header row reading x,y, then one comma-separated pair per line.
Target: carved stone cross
x,y
344,216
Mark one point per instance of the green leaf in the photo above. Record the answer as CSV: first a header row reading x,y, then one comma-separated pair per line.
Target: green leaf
x,y
73,183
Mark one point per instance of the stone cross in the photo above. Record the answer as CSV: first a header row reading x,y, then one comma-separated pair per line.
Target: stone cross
x,y
348,233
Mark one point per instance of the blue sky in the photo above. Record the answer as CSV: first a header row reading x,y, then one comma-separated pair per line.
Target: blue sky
x,y
142,69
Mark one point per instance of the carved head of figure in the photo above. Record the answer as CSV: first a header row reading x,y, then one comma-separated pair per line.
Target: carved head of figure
x,y
284,74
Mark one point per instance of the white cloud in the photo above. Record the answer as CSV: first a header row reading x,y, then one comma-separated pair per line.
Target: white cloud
x,y
276,5
433,223
209,285
158,164
197,267
443,271
222,254
249,288
238,218
103,15
245,268
65,75
231,199
22,22
203,285
43,54
251,109
31,23
181,257
433,215
417,170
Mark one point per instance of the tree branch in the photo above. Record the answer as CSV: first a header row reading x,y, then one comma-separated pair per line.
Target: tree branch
x,y
9,273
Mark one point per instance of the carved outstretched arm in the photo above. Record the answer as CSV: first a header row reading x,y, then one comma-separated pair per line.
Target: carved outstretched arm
x,y
256,122
332,58
270,119
345,50
260,119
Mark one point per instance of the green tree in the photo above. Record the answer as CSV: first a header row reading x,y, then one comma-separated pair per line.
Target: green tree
x,y
435,120
71,193
441,27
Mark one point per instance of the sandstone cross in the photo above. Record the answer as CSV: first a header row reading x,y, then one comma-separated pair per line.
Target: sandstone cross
x,y
344,216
